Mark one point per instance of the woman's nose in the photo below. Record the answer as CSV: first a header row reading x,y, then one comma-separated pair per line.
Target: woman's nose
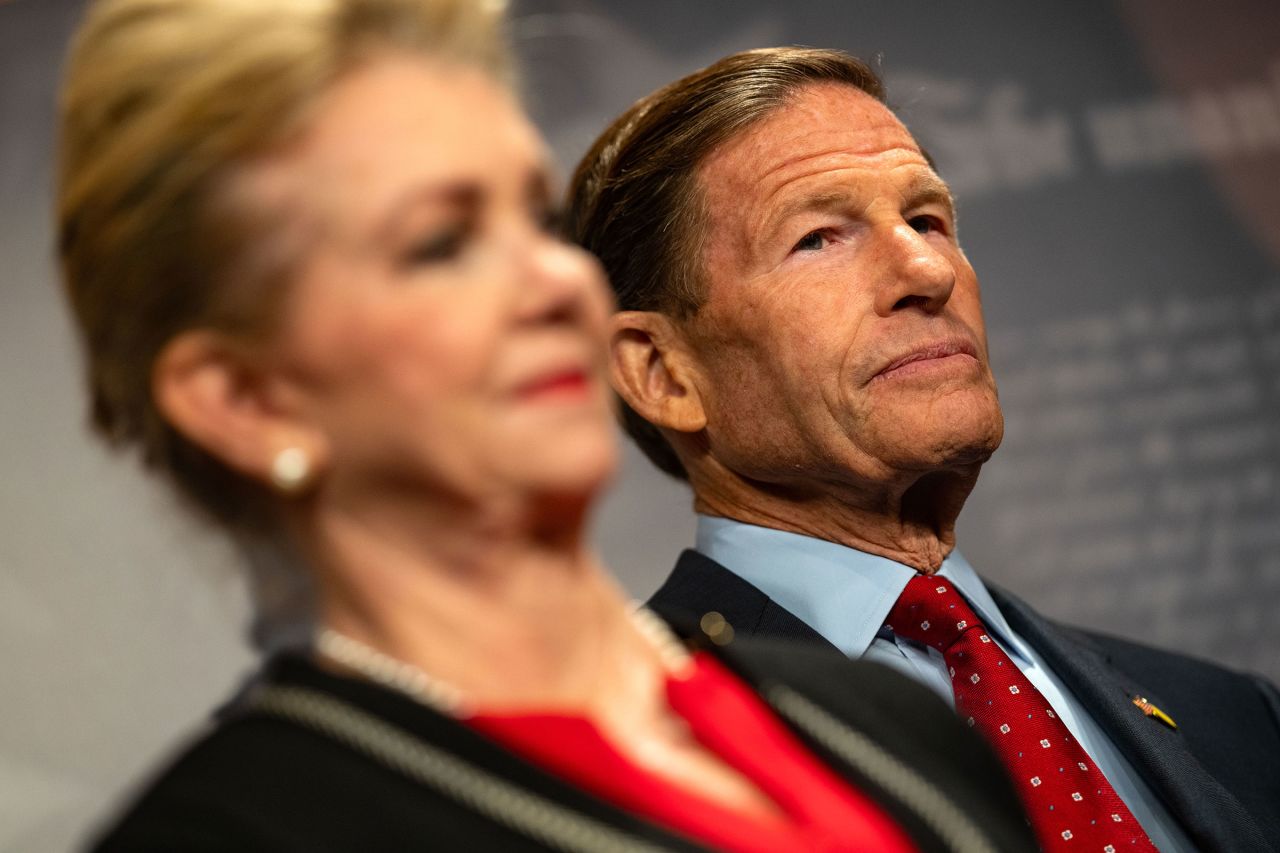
x,y
560,281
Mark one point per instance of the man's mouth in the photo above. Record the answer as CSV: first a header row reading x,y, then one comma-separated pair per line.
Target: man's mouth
x,y
931,356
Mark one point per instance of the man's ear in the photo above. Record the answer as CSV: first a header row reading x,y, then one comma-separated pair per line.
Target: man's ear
x,y
221,397
652,370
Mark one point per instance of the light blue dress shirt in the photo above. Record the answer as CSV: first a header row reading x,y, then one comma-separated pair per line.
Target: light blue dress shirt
x,y
846,595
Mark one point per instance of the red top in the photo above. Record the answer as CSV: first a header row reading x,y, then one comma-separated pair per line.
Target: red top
x,y
818,810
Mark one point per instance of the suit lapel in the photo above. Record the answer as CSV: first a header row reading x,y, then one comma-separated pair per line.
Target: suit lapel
x,y
699,584
1211,815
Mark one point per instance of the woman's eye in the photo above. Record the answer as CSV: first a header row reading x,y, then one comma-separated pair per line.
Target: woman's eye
x,y
811,242
550,219
437,248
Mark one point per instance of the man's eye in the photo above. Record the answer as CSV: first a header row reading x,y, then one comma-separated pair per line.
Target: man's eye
x,y
811,242
437,248
923,224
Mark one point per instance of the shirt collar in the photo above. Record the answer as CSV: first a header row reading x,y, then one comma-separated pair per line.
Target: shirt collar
x,y
966,580
842,593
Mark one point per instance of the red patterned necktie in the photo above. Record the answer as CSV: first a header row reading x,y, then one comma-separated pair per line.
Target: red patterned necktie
x,y
1071,804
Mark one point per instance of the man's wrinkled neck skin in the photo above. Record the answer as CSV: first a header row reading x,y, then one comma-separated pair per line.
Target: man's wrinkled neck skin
x,y
914,525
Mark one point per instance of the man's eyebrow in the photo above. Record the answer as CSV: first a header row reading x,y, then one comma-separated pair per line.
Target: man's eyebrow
x,y
832,200
926,188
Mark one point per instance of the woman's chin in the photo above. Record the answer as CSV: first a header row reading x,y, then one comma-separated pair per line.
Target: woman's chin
x,y
574,462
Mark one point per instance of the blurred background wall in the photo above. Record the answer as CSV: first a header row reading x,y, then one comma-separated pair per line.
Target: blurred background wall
x,y
1117,166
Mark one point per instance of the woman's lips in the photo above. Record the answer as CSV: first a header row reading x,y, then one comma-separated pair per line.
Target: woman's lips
x,y
562,384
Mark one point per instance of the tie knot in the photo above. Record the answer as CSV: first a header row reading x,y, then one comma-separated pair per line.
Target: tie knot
x,y
931,611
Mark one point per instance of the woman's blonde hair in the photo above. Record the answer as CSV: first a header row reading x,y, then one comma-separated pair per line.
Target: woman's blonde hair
x,y
162,103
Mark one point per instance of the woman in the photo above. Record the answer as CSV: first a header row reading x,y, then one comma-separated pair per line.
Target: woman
x,y
306,244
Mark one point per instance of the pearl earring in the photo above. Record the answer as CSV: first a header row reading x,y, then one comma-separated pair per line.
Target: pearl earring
x,y
291,470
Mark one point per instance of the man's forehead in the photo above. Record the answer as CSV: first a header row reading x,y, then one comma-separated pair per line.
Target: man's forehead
x,y
821,121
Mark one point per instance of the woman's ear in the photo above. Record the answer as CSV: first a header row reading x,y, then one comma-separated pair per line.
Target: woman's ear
x,y
219,396
652,370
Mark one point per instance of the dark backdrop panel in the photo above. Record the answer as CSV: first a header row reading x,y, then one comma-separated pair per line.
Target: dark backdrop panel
x,y
1116,166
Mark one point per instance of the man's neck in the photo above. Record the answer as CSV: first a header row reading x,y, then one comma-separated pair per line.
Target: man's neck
x,y
913,524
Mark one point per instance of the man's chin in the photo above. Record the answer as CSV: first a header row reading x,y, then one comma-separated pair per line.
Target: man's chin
x,y
944,438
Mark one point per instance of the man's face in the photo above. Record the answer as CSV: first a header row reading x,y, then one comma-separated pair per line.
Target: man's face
x,y
841,342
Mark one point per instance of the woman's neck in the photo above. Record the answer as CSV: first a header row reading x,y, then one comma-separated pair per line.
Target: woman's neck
x,y
513,612
516,618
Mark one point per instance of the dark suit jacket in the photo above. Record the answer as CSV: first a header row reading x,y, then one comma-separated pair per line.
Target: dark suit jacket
x,y
1219,772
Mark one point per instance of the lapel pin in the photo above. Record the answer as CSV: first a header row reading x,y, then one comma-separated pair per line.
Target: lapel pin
x,y
1152,711
717,628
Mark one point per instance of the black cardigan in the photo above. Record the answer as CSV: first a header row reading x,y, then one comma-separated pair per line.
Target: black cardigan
x,y
261,782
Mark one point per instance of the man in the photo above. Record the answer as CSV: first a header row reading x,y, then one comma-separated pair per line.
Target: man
x,y
801,338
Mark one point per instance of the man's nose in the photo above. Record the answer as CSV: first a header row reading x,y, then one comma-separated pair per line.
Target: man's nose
x,y
917,274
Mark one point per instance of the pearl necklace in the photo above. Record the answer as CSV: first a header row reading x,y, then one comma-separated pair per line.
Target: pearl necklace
x,y
448,699
389,672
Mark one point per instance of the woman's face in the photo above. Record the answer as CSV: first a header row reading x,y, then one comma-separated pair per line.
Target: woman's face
x,y
437,337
